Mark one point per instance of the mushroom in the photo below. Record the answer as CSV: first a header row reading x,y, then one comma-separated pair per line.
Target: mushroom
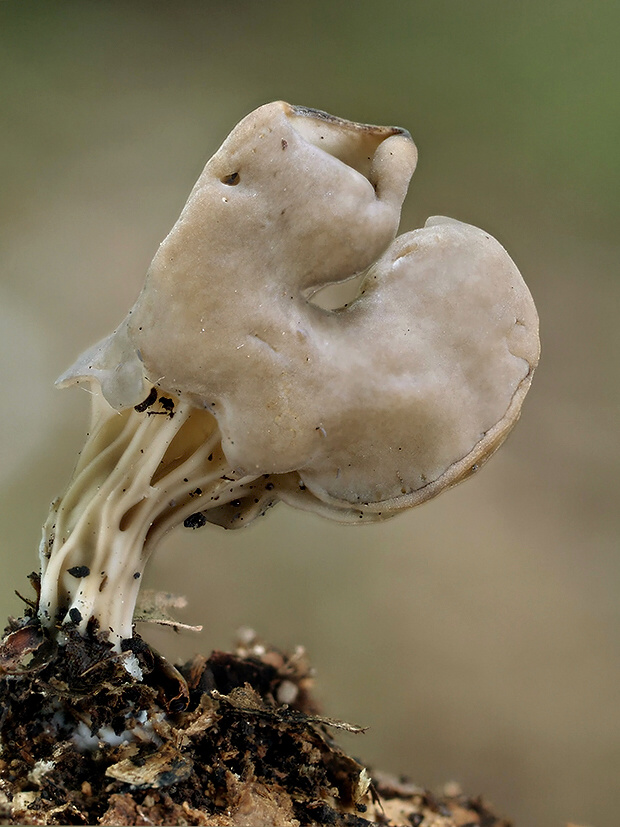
x,y
227,389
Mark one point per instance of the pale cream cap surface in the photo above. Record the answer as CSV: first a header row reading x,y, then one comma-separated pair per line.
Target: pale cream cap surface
x,y
377,406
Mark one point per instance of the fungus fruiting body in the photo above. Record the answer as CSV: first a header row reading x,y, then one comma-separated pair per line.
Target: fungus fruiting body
x,y
227,389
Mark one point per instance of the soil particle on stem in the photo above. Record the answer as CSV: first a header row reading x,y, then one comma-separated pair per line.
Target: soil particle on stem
x,y
229,739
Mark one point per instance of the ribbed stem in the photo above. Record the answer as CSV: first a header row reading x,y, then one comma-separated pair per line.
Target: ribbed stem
x,y
142,471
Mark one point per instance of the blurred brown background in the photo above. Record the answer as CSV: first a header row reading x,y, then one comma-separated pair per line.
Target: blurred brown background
x,y
478,636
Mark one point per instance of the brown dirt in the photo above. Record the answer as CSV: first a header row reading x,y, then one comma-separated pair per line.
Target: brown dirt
x,y
232,739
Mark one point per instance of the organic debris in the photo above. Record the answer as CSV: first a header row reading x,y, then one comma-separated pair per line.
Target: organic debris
x,y
89,736
156,607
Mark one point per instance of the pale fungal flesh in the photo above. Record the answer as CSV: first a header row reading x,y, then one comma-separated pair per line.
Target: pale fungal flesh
x,y
227,388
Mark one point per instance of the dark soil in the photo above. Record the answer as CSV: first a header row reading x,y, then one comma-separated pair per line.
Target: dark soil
x,y
232,739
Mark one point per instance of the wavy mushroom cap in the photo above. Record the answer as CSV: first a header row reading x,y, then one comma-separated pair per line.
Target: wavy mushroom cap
x,y
378,405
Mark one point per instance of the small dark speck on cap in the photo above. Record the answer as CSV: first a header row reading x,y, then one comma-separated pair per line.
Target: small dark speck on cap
x,y
195,520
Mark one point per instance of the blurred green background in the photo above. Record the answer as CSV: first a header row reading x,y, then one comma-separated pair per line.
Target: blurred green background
x,y
478,636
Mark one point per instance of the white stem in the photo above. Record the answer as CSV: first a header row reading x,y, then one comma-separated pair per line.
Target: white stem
x,y
140,473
